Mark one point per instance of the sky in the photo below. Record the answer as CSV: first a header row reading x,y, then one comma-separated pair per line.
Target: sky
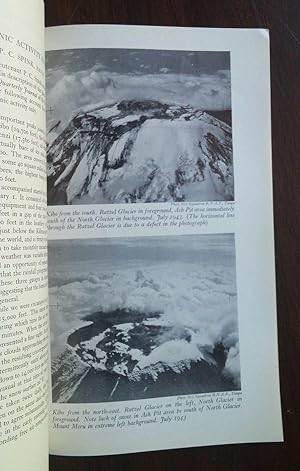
x,y
81,78
187,248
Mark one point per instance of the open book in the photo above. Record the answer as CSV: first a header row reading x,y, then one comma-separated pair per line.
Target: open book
x,y
160,270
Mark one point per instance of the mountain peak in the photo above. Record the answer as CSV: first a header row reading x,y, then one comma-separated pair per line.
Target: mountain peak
x,y
141,151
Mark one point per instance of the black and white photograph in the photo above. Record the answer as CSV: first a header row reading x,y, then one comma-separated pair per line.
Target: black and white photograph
x,y
143,317
138,126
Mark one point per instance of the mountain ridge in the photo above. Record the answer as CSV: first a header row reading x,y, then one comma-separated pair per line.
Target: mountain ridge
x,y
140,151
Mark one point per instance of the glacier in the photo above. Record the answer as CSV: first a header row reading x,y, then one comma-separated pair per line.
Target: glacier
x,y
140,151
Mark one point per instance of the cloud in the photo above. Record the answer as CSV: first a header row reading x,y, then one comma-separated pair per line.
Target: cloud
x,y
188,296
232,366
165,70
68,94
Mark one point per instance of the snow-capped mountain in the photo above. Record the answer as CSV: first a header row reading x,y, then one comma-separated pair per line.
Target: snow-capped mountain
x,y
140,151
147,355
143,317
147,346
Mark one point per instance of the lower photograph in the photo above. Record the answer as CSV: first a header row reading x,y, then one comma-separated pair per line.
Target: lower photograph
x,y
143,317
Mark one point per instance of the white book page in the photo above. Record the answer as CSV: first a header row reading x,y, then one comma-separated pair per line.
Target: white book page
x,y
161,258
23,240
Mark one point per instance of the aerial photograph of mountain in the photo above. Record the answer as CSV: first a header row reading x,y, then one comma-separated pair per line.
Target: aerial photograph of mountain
x,y
143,317
138,126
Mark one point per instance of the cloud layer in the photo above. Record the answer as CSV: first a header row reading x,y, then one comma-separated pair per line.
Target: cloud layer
x,y
69,93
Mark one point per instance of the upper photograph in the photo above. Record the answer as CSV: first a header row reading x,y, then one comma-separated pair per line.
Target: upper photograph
x,y
138,126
